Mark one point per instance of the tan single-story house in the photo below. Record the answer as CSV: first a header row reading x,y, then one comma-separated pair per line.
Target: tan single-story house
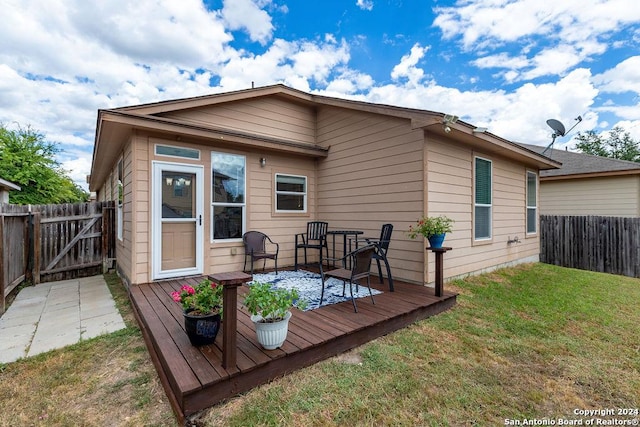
x,y
190,176
589,185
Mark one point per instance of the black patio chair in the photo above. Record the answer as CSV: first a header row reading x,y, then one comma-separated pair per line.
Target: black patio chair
x,y
360,269
382,247
255,247
315,238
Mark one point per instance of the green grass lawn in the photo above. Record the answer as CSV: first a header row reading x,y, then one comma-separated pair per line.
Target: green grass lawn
x,y
530,342
534,341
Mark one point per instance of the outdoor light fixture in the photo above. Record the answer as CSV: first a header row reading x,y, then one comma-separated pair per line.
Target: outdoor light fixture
x,y
447,121
263,162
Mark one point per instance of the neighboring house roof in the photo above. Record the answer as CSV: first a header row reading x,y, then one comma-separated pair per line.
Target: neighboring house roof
x,y
580,165
115,125
8,186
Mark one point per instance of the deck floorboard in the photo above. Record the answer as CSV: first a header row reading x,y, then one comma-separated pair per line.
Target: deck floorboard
x,y
194,378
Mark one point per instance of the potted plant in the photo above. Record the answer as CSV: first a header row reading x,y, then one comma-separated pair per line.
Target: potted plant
x,y
433,228
202,311
270,312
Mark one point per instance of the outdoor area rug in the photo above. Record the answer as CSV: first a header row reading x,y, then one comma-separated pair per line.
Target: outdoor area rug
x,y
309,286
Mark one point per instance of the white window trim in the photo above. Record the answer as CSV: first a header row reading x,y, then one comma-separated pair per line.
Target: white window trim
x,y
296,193
526,225
214,204
119,200
490,205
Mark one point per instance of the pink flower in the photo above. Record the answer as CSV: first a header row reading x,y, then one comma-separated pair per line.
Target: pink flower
x,y
188,289
176,296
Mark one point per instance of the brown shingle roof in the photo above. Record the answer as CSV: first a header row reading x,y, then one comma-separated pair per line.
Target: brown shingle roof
x,y
580,163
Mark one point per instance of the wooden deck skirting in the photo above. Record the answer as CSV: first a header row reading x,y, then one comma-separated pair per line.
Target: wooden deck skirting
x,y
194,378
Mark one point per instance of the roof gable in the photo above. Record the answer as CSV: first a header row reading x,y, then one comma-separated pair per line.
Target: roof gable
x,y
201,119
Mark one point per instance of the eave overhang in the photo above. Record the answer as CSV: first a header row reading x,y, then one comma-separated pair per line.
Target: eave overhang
x,y
117,126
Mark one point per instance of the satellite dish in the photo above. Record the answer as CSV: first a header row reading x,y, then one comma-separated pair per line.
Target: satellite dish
x,y
557,126
558,130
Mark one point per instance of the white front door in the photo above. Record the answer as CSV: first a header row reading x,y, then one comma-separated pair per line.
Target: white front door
x,y
177,215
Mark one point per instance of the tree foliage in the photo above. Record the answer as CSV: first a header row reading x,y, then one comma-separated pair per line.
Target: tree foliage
x,y
618,145
28,160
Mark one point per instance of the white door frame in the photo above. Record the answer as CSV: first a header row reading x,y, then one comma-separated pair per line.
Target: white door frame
x,y
156,218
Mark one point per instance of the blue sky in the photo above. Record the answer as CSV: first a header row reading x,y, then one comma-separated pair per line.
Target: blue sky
x,y
508,65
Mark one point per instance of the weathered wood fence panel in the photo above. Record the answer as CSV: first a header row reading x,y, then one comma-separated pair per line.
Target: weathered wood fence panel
x,y
45,243
14,252
594,243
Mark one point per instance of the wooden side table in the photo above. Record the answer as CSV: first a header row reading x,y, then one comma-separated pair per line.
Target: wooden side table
x,y
230,282
439,267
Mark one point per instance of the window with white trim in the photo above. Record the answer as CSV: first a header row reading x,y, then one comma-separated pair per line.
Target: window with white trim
x,y
291,193
482,199
532,202
228,198
120,200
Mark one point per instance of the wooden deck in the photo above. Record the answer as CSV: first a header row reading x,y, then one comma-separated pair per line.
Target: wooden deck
x,y
194,378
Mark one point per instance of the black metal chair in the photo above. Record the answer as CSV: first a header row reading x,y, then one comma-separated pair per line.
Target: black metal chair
x,y
255,247
382,247
360,269
314,238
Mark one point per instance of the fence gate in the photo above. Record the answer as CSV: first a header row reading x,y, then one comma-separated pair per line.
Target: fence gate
x,y
58,242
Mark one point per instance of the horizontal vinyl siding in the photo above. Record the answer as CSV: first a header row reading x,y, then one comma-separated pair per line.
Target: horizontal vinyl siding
x,y
373,175
268,117
139,167
612,196
261,215
450,192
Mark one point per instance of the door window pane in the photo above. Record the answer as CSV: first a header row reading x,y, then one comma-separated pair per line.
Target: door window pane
x,y
177,195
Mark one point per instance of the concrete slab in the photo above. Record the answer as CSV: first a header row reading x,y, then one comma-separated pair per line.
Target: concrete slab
x,y
53,315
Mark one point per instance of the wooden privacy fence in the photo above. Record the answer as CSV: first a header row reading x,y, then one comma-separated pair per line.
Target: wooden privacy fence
x,y
14,252
594,243
58,242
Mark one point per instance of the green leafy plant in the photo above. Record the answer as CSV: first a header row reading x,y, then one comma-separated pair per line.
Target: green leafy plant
x,y
430,226
271,303
204,298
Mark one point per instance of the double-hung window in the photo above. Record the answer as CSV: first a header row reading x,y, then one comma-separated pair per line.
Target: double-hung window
x,y
228,195
482,199
291,193
532,202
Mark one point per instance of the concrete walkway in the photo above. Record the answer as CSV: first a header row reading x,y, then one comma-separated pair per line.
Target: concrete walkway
x,y
53,315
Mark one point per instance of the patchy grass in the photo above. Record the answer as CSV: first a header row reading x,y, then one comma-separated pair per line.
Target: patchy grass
x,y
532,341
108,380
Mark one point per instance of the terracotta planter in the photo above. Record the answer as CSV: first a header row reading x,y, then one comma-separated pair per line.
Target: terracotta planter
x,y
271,335
202,330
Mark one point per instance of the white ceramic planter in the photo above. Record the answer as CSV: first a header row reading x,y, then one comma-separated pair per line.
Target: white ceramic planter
x,y
271,335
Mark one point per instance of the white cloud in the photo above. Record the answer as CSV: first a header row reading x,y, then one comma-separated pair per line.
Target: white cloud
x,y
365,4
624,77
407,66
574,30
247,15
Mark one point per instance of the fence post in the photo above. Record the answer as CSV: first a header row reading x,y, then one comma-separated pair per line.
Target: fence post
x,y
37,247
